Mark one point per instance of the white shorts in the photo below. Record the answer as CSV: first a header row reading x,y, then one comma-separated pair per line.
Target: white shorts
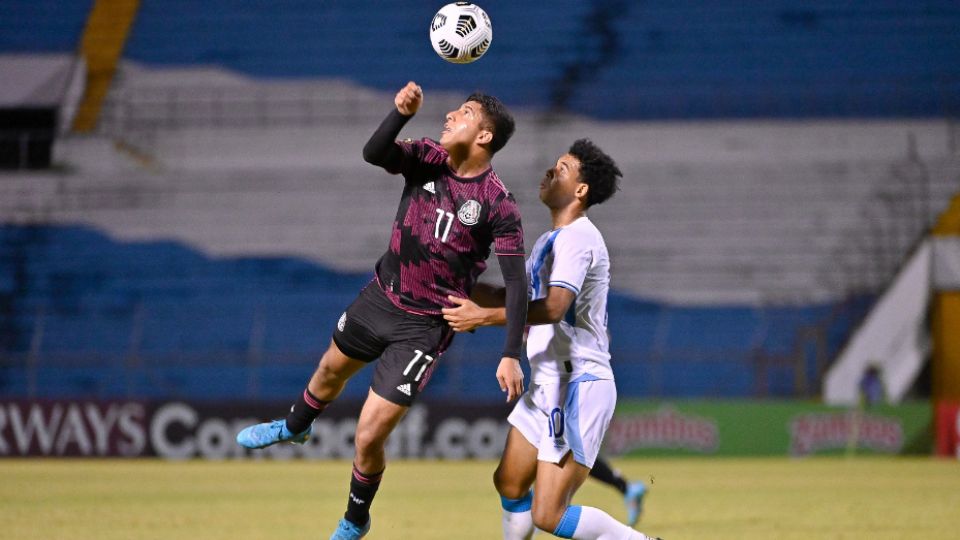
x,y
568,417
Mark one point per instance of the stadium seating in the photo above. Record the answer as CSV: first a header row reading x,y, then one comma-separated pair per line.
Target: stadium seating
x,y
159,276
606,58
34,26
697,245
612,59
311,39
108,319
780,59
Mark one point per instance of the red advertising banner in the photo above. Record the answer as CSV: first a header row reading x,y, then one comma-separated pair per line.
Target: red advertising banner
x,y
948,429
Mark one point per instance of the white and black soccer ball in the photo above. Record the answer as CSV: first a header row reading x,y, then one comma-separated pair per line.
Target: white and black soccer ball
x,y
461,32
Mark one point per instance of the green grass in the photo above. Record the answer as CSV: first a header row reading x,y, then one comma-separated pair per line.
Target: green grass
x,y
824,498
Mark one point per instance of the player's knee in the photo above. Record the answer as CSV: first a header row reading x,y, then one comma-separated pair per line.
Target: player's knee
x,y
369,440
506,487
546,517
328,374
498,481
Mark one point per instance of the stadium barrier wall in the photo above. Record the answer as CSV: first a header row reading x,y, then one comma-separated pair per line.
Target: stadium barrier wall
x,y
450,430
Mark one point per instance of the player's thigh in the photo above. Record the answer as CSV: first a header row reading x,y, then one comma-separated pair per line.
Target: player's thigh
x,y
360,330
378,418
335,365
517,468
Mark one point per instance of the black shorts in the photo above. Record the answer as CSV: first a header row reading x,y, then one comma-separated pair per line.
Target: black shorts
x,y
408,345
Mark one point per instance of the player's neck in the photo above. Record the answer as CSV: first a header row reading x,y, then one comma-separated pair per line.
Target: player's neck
x,y
567,215
467,165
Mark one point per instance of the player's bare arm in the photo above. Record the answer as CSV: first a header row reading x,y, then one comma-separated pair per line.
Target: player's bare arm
x,y
469,315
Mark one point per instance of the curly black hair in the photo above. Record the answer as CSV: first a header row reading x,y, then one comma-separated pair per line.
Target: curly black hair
x,y
496,118
597,170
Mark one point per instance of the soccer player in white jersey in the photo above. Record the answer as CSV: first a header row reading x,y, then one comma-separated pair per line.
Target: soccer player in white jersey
x,y
559,423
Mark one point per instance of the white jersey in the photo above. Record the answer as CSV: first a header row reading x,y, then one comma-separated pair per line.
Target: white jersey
x,y
578,347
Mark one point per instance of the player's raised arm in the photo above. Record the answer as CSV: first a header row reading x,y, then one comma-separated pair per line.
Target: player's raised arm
x,y
381,149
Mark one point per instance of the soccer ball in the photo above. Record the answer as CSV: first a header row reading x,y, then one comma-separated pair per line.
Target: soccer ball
x,y
461,32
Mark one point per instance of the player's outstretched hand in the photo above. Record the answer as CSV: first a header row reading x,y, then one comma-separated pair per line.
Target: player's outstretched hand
x,y
409,98
465,317
510,377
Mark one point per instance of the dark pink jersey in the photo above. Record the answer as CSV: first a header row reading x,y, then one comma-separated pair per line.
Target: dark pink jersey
x,y
444,229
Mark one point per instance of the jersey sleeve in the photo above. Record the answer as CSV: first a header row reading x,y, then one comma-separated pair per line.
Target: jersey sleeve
x,y
418,156
506,226
412,152
572,258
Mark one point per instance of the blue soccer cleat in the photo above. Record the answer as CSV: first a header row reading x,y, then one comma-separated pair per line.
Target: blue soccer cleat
x,y
634,501
347,530
270,433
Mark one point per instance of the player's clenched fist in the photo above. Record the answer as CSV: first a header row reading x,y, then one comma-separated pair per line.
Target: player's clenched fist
x,y
409,98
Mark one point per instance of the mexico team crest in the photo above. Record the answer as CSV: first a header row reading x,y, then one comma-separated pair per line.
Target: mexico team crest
x,y
469,213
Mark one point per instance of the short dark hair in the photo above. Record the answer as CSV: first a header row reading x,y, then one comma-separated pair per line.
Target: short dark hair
x,y
497,119
597,170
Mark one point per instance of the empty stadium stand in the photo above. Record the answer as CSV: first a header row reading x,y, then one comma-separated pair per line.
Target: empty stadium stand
x,y
200,243
608,58
90,316
35,26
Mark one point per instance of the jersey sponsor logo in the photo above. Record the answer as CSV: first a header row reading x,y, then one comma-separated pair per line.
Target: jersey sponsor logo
x,y
469,213
342,322
405,388
429,187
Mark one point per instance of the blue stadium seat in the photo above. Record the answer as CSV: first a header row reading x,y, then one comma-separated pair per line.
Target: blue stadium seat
x,y
198,327
33,26
677,60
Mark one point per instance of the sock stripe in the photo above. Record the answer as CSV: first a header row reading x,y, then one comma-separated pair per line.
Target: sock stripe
x,y
568,522
516,506
367,479
313,402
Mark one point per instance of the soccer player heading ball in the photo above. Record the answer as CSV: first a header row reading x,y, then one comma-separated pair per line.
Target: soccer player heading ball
x,y
453,208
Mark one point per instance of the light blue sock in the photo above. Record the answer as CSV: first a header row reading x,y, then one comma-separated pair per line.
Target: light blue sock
x,y
589,523
568,522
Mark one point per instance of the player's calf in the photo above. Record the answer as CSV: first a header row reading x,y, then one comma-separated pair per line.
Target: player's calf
x,y
547,517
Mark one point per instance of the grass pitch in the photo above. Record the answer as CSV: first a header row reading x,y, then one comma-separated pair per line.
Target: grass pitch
x,y
824,498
